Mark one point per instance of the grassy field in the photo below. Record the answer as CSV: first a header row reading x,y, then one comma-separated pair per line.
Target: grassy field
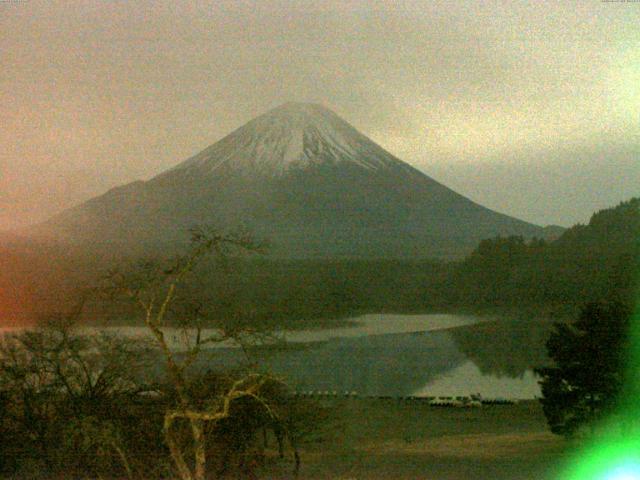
x,y
388,439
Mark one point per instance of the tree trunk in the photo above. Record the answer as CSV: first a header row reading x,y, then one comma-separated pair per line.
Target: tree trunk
x,y
199,441
175,451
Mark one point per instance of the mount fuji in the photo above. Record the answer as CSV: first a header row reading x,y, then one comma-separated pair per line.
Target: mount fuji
x,y
302,178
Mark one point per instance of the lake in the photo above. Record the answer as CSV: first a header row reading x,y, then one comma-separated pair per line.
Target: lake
x,y
396,355
409,355
361,326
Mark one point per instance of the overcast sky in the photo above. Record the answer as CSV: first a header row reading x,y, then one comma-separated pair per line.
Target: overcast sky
x,y
530,108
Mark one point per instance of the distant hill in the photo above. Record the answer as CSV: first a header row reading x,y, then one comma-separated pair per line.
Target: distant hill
x,y
302,178
600,260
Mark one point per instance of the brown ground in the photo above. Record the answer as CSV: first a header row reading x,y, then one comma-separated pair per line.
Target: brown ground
x,y
387,439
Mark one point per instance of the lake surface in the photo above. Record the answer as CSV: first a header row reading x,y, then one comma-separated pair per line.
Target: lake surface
x,y
422,355
361,326
395,355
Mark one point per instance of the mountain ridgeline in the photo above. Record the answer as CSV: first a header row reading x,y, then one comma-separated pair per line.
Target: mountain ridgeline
x,y
302,178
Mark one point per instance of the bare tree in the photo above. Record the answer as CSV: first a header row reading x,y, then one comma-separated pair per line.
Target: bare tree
x,y
57,378
164,301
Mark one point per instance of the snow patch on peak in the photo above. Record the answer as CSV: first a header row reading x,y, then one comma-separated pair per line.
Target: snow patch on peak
x,y
293,135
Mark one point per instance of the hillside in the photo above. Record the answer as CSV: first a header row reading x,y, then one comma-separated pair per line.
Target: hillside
x,y
586,263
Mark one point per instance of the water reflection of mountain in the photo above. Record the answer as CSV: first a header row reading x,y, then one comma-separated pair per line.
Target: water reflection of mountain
x,y
392,364
405,363
504,348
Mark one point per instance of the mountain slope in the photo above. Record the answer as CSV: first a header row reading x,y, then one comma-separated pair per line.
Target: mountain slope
x,y
306,180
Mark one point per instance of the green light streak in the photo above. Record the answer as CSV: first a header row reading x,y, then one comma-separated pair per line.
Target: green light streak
x,y
615,452
607,460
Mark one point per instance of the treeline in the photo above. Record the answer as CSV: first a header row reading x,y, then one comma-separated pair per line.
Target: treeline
x,y
600,260
302,291
504,274
311,293
37,279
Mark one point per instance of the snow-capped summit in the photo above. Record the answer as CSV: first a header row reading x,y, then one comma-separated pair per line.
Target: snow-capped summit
x,y
293,135
302,178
